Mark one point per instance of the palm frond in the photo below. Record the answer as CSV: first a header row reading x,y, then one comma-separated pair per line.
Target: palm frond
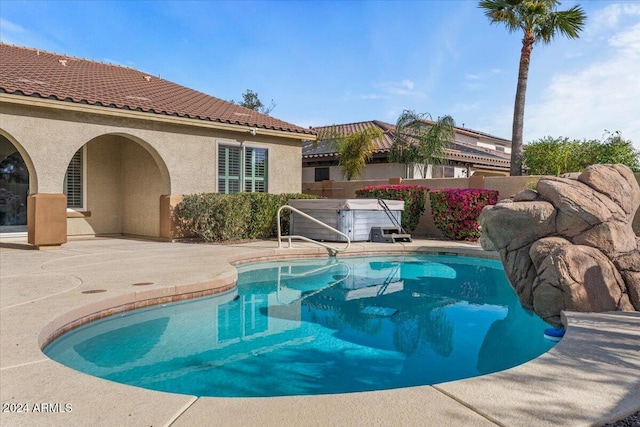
x,y
355,150
501,11
571,22
420,140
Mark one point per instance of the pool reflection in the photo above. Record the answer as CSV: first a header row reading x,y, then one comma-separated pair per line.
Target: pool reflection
x,y
317,327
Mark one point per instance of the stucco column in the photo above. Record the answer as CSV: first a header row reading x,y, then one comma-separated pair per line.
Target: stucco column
x,y
476,181
169,226
47,219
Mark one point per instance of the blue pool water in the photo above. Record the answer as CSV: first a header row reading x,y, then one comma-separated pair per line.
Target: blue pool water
x,y
318,326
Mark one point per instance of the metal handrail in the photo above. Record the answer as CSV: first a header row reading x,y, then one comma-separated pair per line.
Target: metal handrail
x,y
331,249
340,280
393,219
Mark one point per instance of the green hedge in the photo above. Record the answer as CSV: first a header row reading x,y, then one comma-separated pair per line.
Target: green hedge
x,y
414,196
221,217
456,211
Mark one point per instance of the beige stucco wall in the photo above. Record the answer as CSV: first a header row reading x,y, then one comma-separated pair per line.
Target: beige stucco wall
x,y
131,162
506,187
510,186
186,156
141,191
104,189
373,171
104,184
124,187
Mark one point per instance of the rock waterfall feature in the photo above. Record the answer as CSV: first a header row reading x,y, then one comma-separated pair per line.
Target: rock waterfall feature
x,y
570,245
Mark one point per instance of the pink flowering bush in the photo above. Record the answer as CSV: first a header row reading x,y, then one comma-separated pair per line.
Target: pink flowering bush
x,y
414,197
456,210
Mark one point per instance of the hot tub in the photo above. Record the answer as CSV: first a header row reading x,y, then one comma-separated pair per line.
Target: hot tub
x,y
353,217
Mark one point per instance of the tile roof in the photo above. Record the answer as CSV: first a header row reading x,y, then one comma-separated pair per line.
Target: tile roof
x,y
459,150
324,147
36,73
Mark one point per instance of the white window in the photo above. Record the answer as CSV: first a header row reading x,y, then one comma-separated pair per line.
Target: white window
x,y
242,169
74,181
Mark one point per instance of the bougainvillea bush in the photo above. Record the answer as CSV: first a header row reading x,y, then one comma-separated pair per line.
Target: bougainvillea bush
x,y
414,197
456,210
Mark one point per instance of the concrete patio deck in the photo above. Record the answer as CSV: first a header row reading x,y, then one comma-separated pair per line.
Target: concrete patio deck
x,y
592,376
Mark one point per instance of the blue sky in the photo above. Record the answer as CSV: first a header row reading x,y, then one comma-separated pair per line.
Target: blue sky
x,y
326,62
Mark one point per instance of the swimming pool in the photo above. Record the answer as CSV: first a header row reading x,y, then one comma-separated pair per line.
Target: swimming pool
x,y
318,326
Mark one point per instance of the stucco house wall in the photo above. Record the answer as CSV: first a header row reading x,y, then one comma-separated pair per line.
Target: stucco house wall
x,y
131,161
371,171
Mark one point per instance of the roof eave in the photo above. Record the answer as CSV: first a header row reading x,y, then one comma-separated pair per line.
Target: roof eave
x,y
33,101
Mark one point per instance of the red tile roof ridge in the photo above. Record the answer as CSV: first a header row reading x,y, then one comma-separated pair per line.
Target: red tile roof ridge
x,y
78,58
371,122
389,127
386,127
103,84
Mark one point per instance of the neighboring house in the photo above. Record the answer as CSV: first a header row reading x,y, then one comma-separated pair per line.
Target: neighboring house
x,y
101,149
472,153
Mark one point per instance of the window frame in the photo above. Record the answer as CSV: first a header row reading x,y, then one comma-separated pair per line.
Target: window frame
x,y
83,181
226,178
249,177
243,178
322,169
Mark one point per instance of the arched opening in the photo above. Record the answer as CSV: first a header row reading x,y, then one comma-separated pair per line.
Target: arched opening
x,y
113,186
14,188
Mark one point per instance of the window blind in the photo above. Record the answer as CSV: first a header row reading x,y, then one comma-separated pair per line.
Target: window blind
x,y
255,166
229,169
73,187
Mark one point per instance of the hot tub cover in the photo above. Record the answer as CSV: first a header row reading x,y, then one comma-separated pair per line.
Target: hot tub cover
x,y
345,204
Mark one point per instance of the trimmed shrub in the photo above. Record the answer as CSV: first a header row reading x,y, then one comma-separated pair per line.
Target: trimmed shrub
x,y
214,217
263,209
414,197
456,210
221,217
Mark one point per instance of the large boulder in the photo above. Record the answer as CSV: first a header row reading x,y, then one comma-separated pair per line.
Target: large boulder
x,y
577,278
570,244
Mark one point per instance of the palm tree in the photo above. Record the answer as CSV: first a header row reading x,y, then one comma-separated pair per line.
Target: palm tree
x,y
422,141
354,149
540,22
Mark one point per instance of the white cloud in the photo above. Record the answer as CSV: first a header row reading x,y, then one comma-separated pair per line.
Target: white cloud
x,y
465,107
374,96
628,41
610,16
407,83
8,26
603,95
387,91
11,33
392,115
573,55
481,79
404,87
